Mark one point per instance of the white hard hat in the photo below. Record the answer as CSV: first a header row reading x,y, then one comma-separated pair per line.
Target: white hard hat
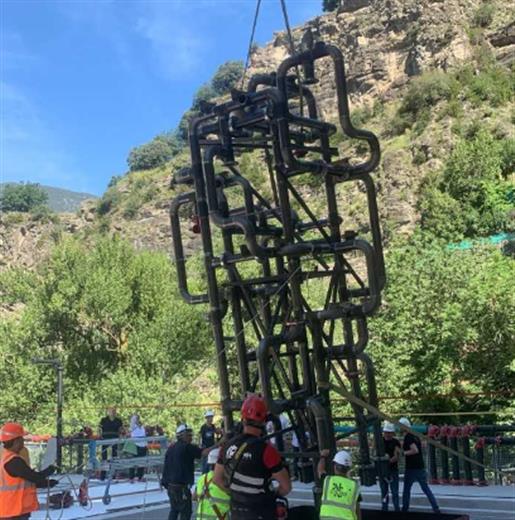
x,y
343,458
182,428
405,421
213,456
209,413
388,427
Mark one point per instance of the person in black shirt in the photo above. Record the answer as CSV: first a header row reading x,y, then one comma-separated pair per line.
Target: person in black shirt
x,y
208,431
110,428
178,472
414,467
392,448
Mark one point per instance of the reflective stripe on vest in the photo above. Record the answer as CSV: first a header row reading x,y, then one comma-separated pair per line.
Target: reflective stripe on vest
x,y
213,502
339,499
17,496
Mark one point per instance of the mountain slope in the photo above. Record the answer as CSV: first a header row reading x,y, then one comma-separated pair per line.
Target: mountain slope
x,y
61,200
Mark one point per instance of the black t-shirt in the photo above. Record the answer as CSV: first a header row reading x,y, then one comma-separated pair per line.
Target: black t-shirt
x,y
207,435
389,448
110,428
413,461
251,474
180,463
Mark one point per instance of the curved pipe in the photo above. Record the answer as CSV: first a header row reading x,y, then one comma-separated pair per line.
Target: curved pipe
x,y
373,300
178,250
235,221
322,50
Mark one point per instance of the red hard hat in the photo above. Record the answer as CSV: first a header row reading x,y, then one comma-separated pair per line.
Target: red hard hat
x,y
11,431
254,409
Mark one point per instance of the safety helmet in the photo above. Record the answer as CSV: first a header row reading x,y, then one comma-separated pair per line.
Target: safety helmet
x,y
182,429
388,427
405,421
11,431
209,413
254,409
213,456
343,458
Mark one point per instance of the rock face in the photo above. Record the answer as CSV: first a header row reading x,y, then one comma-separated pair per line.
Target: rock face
x,y
385,42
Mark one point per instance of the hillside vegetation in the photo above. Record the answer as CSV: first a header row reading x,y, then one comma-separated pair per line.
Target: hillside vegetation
x,y
435,81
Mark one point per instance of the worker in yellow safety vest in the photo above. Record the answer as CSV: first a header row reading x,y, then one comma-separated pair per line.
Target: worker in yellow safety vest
x,y
213,502
18,482
340,494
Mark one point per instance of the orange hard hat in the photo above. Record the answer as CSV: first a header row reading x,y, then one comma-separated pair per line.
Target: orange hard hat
x,y
11,431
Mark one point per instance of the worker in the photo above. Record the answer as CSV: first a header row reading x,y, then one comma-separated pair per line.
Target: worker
x,y
392,448
178,472
18,482
414,467
208,431
247,465
213,502
110,428
340,494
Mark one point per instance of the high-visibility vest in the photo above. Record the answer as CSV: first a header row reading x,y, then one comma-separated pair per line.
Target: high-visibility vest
x,y
17,495
339,499
213,502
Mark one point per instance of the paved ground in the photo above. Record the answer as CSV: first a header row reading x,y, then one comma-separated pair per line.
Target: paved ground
x,y
481,503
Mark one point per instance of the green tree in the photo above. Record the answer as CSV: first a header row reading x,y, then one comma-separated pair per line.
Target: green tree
x,y
204,93
330,5
115,319
22,197
227,77
151,155
445,326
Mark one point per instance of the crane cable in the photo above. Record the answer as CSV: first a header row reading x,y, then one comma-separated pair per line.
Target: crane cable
x,y
291,43
251,42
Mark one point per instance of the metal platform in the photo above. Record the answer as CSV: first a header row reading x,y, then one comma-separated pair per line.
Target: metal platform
x,y
146,501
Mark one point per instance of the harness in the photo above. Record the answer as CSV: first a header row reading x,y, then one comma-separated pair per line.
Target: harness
x,y
206,494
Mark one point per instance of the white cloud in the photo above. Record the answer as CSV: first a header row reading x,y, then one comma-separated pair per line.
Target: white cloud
x,y
175,37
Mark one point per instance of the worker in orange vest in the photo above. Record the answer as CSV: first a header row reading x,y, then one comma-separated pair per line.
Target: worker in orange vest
x,y
18,482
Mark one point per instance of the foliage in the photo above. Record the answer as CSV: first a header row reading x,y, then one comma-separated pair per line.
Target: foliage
x,y
330,5
113,316
108,201
226,77
422,94
22,197
472,196
484,15
150,155
205,93
445,325
491,83
43,213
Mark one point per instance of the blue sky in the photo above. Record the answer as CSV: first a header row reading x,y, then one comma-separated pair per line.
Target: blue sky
x,y
82,82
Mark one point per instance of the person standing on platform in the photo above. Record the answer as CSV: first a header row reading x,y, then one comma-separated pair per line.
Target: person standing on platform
x,y
178,472
208,431
213,502
340,494
392,448
248,464
137,431
18,482
414,468
110,428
